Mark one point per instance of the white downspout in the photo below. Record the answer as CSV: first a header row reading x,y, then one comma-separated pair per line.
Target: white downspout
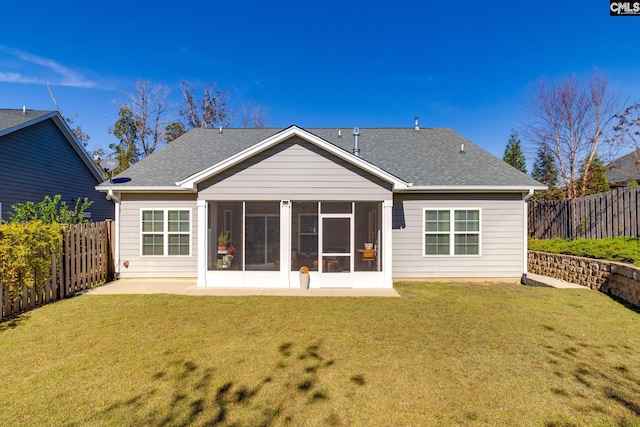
x,y
525,236
112,196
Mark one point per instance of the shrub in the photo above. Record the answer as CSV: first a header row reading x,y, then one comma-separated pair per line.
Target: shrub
x,y
50,210
25,254
621,249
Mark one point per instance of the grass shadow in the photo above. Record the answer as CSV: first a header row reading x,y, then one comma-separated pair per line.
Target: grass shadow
x,y
198,396
578,361
13,322
626,304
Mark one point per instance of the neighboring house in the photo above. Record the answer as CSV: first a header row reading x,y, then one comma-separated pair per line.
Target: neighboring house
x,y
430,203
39,156
624,170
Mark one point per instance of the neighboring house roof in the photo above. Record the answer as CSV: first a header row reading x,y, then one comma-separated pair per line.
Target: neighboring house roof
x,y
14,120
425,159
624,168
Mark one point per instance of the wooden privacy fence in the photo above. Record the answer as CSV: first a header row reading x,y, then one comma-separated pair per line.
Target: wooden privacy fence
x,y
611,214
86,261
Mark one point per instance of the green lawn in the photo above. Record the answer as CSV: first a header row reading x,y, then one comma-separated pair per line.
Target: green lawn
x,y
443,354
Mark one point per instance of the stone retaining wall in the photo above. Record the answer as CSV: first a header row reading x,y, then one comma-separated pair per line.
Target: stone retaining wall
x,y
613,278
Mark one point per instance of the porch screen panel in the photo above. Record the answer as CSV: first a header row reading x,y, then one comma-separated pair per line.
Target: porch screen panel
x,y
336,245
304,235
368,233
262,236
225,218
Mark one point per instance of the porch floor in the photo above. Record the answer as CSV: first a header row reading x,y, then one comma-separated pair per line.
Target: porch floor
x,y
188,287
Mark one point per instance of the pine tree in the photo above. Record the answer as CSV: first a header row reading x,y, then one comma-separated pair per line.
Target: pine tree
x,y
513,152
546,172
596,179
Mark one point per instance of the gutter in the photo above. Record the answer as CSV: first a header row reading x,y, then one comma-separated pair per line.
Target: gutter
x,y
525,236
469,189
144,189
116,256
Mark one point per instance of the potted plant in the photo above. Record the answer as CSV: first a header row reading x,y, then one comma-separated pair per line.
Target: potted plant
x,y
304,277
223,241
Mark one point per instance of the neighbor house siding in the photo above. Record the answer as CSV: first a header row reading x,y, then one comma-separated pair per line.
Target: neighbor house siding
x,y
294,170
154,266
38,161
501,237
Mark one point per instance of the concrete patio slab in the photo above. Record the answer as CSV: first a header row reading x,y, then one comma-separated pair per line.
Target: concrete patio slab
x,y
538,280
188,287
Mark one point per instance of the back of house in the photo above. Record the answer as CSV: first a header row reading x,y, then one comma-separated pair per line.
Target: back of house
x,y
357,207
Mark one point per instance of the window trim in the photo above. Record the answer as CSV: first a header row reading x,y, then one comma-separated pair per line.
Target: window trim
x,y
165,232
452,233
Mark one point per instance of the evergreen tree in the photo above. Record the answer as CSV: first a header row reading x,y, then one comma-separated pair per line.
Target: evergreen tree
x,y
513,152
596,179
546,172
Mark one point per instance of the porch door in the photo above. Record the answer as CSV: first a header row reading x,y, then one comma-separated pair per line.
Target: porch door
x,y
263,237
336,250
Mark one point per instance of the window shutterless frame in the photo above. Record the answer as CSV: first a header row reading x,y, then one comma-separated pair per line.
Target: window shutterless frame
x,y
452,232
165,232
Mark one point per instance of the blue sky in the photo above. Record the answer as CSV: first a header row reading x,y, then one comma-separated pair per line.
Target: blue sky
x,y
465,65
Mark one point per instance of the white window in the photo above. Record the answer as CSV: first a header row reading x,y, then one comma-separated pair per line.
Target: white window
x,y
451,232
166,232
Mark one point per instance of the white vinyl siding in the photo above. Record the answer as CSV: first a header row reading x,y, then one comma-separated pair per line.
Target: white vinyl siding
x,y
294,170
140,266
501,230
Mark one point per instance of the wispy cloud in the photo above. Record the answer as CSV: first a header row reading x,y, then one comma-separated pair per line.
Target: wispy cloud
x,y
45,71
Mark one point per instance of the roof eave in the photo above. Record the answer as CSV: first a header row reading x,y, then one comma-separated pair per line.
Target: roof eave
x,y
143,188
472,188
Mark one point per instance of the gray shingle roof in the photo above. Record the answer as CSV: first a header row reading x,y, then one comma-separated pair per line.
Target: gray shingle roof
x,y
15,118
425,157
624,168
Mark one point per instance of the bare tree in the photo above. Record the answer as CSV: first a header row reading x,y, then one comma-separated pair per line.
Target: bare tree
x,y
254,115
209,112
571,121
77,131
627,128
147,109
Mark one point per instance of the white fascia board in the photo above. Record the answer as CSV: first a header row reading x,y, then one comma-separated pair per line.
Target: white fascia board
x,y
472,188
143,189
192,181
